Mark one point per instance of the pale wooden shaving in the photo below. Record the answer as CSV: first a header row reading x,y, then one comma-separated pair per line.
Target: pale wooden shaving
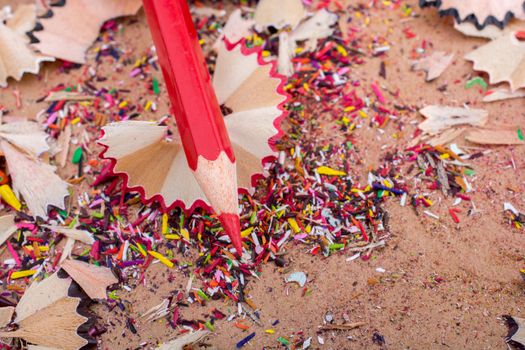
x,y
157,311
482,10
181,342
73,233
235,29
16,57
27,136
279,13
73,28
503,94
64,142
434,64
67,96
48,317
7,227
242,84
440,118
446,136
320,25
494,137
286,49
93,279
6,315
35,181
502,59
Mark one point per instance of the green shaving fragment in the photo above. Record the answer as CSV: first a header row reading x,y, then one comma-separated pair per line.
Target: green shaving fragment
x,y
156,88
283,341
77,156
476,81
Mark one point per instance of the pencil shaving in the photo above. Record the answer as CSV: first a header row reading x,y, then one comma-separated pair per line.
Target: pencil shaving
x,y
502,60
480,13
254,95
47,315
16,57
279,13
73,28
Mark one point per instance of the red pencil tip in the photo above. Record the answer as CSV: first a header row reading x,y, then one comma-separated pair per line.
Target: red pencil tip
x,y
232,226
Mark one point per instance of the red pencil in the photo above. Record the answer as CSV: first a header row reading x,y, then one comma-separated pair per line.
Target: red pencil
x,y
197,111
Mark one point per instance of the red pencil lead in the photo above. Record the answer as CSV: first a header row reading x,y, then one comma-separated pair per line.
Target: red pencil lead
x,y
230,223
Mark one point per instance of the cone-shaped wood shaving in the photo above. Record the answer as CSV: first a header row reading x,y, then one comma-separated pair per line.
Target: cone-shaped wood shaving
x,y
73,28
249,88
503,59
34,180
92,279
279,13
49,315
16,57
319,26
445,137
25,135
489,32
480,12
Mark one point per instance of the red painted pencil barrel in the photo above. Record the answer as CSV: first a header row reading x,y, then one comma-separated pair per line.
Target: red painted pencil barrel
x,y
195,106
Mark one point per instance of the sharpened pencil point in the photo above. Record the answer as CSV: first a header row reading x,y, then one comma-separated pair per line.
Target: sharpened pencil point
x,y
232,226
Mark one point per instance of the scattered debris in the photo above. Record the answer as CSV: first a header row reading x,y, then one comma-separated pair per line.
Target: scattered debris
x,y
297,277
434,64
342,327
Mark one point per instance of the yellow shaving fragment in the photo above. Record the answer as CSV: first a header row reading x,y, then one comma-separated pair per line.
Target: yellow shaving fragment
x,y
247,232
22,274
161,258
164,224
324,170
294,225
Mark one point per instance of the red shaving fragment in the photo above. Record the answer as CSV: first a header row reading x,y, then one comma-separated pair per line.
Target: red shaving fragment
x,y
520,35
452,212
377,92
